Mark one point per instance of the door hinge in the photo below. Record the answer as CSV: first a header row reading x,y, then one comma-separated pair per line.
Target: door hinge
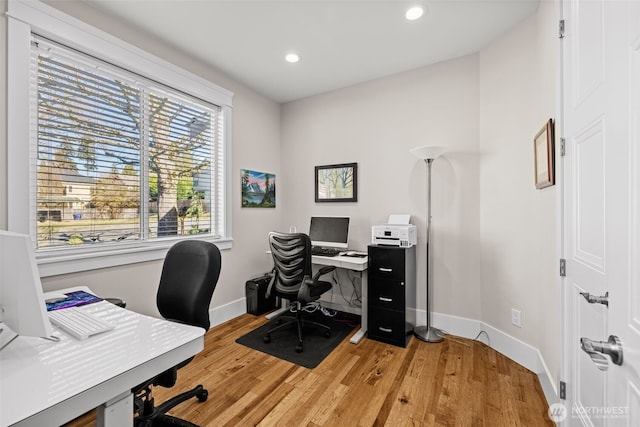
x,y
561,29
563,390
563,267
562,147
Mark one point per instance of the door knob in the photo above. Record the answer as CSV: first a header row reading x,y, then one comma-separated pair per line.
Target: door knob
x,y
597,349
593,299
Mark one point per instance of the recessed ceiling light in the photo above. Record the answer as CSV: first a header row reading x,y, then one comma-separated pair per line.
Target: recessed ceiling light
x,y
414,13
292,57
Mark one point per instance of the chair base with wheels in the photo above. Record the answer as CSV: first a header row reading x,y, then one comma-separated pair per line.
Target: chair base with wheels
x,y
300,322
155,416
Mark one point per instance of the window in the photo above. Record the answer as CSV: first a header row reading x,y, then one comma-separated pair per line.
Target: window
x,y
124,157
141,157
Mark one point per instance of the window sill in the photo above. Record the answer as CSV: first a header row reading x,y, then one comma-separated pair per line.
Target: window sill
x,y
53,264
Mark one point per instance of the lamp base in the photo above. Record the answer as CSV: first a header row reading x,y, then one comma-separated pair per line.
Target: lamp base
x,y
428,334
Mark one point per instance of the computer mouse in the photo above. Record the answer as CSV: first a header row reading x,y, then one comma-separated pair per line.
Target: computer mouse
x,y
351,253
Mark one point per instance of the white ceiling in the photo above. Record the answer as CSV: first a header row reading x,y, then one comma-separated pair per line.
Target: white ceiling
x,y
342,42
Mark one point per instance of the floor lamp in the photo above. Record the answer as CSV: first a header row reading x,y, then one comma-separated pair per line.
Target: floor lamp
x,y
428,333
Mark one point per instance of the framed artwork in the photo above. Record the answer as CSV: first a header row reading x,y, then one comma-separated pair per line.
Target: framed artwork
x,y
543,156
337,183
258,189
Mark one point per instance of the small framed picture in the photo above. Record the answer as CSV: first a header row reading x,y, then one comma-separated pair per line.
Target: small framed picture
x,y
543,156
337,183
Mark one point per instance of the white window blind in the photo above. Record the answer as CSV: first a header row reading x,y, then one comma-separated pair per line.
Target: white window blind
x,y
118,158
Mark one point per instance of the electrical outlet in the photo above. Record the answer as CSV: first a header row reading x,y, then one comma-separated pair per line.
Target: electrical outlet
x,y
516,318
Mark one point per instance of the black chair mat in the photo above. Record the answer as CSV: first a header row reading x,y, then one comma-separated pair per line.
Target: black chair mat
x,y
316,345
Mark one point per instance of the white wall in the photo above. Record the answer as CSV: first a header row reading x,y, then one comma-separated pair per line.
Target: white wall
x,y
256,145
517,222
375,124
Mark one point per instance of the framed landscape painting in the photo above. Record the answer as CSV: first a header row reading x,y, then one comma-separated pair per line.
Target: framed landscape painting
x,y
258,189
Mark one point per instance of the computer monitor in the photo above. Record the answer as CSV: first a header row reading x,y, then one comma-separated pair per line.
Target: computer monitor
x,y
329,231
22,304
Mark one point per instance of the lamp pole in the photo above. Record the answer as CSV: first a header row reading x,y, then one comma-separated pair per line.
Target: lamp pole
x,y
428,333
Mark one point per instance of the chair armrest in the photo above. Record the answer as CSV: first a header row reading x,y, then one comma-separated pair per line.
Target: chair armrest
x,y
304,293
322,271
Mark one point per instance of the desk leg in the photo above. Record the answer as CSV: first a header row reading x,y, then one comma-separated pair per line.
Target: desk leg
x,y
355,339
117,412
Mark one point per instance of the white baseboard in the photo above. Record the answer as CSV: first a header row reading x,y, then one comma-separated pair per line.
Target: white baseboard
x,y
223,313
511,347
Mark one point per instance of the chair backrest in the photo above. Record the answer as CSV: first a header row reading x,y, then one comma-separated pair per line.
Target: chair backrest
x,y
291,261
189,275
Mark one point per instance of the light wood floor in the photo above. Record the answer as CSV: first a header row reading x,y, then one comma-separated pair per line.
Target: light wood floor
x,y
457,382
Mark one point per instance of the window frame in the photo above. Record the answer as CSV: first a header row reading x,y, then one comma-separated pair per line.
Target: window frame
x,y
26,17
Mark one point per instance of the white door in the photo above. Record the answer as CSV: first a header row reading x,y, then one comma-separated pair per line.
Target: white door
x,y
601,211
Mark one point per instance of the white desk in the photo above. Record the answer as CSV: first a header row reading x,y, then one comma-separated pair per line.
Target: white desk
x,y
355,264
342,261
47,383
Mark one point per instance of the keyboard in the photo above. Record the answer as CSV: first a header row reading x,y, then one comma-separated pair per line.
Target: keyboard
x,y
322,251
77,323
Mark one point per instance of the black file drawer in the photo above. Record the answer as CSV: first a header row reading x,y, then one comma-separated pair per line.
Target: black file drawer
x,y
387,294
392,290
389,326
386,262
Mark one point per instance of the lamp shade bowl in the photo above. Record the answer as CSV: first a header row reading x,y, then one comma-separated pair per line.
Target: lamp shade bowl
x,y
428,152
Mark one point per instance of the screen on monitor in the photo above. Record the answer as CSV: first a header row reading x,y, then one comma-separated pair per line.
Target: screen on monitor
x,y
22,305
329,231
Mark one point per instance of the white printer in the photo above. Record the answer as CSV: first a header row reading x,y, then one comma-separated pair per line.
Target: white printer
x,y
398,232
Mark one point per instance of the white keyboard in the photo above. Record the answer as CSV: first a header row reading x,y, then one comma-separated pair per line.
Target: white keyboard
x,y
77,323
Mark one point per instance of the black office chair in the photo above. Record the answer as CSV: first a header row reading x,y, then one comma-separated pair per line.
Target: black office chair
x,y
292,280
189,276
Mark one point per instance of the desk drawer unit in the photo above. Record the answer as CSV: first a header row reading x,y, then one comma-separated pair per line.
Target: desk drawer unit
x,y
391,294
